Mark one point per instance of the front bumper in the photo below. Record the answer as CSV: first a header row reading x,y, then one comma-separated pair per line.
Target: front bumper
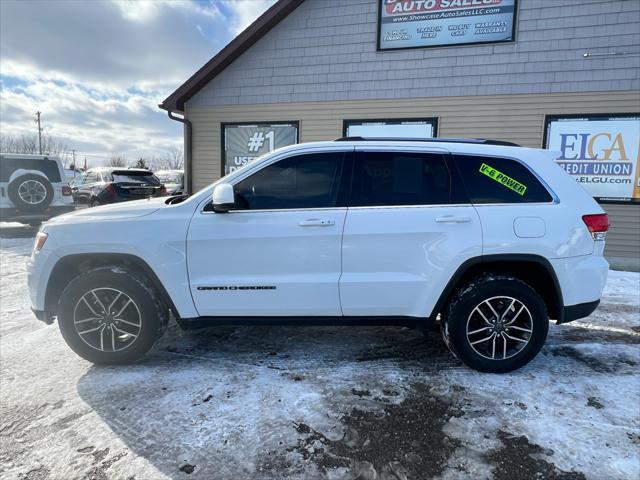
x,y
39,268
42,316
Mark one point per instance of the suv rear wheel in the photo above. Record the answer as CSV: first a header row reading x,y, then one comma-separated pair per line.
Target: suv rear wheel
x,y
495,324
110,316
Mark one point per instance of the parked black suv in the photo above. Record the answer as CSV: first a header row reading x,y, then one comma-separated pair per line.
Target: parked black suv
x,y
99,186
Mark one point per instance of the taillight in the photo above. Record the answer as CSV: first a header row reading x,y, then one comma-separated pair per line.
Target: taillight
x,y
111,190
163,191
597,224
66,190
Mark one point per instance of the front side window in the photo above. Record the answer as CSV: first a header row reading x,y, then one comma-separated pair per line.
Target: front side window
x,y
499,180
302,181
398,178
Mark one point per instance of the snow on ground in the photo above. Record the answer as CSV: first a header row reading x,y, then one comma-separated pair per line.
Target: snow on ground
x,y
287,402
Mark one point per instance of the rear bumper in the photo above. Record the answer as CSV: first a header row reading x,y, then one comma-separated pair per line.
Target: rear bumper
x,y
581,310
581,279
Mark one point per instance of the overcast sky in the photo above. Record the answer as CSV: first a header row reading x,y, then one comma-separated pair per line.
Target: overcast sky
x,y
97,70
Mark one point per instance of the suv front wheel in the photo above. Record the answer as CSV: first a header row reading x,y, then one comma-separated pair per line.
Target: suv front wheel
x,y
496,324
111,316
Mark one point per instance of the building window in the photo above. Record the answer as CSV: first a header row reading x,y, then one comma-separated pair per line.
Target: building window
x,y
599,151
244,142
391,128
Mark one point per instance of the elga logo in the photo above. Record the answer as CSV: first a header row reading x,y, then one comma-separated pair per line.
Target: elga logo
x,y
239,287
583,150
395,7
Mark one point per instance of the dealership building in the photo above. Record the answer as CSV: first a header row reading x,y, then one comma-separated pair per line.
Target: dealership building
x,y
557,74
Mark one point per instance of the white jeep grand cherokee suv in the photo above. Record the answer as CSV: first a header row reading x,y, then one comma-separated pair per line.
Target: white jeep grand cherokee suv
x,y
488,238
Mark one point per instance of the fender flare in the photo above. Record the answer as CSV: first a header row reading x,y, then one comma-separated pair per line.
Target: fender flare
x,y
454,281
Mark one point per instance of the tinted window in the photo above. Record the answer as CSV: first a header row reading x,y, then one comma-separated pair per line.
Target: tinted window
x,y
303,181
135,177
9,165
397,178
499,180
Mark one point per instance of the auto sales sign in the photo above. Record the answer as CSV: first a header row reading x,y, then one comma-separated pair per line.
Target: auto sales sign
x,y
601,152
430,23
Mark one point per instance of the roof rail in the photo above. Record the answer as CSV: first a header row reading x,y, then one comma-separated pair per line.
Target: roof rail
x,y
483,141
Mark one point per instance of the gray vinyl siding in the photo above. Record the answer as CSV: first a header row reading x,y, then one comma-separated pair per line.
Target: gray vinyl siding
x,y
623,240
326,51
518,118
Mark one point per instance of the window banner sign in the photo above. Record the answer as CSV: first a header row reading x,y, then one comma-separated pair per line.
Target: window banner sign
x,y
243,143
391,128
601,152
432,23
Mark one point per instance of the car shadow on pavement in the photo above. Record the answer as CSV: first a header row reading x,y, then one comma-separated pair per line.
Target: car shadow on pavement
x,y
248,402
317,402
14,230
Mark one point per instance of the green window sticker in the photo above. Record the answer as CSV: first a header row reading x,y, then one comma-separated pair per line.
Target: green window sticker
x,y
503,179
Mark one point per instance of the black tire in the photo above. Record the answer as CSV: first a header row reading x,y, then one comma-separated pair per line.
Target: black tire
x,y
147,304
462,312
19,197
94,203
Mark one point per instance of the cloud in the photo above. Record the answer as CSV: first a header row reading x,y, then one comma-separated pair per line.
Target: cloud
x,y
246,11
97,70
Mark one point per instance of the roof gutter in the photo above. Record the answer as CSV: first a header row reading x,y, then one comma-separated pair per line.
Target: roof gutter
x,y
188,177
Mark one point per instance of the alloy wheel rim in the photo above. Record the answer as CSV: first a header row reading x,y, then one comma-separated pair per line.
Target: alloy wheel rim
x,y
107,319
32,192
499,328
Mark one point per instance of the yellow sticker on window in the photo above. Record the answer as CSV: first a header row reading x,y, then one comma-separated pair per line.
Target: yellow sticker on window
x,y
503,179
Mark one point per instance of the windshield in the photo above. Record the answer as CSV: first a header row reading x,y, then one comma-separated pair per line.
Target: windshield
x,y
131,177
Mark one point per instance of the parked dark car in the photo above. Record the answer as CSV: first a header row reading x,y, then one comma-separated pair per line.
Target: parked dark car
x,y
99,186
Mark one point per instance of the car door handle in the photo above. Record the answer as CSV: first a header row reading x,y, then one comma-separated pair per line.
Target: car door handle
x,y
452,219
316,222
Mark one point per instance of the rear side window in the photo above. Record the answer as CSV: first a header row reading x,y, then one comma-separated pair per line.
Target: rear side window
x,y
130,177
399,178
9,165
302,181
499,180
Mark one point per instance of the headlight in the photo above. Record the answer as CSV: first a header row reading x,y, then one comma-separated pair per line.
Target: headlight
x,y
41,238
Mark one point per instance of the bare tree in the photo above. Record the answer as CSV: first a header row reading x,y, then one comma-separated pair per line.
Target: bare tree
x,y
173,158
28,144
117,160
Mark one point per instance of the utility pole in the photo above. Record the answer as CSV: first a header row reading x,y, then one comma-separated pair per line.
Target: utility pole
x,y
73,152
39,132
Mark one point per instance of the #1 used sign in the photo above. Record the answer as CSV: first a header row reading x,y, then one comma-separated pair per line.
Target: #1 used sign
x,y
601,153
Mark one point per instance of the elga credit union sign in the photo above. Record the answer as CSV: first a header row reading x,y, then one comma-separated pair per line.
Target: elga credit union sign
x,y
430,23
601,152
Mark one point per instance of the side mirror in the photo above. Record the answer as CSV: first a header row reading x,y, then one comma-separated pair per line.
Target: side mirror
x,y
223,198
